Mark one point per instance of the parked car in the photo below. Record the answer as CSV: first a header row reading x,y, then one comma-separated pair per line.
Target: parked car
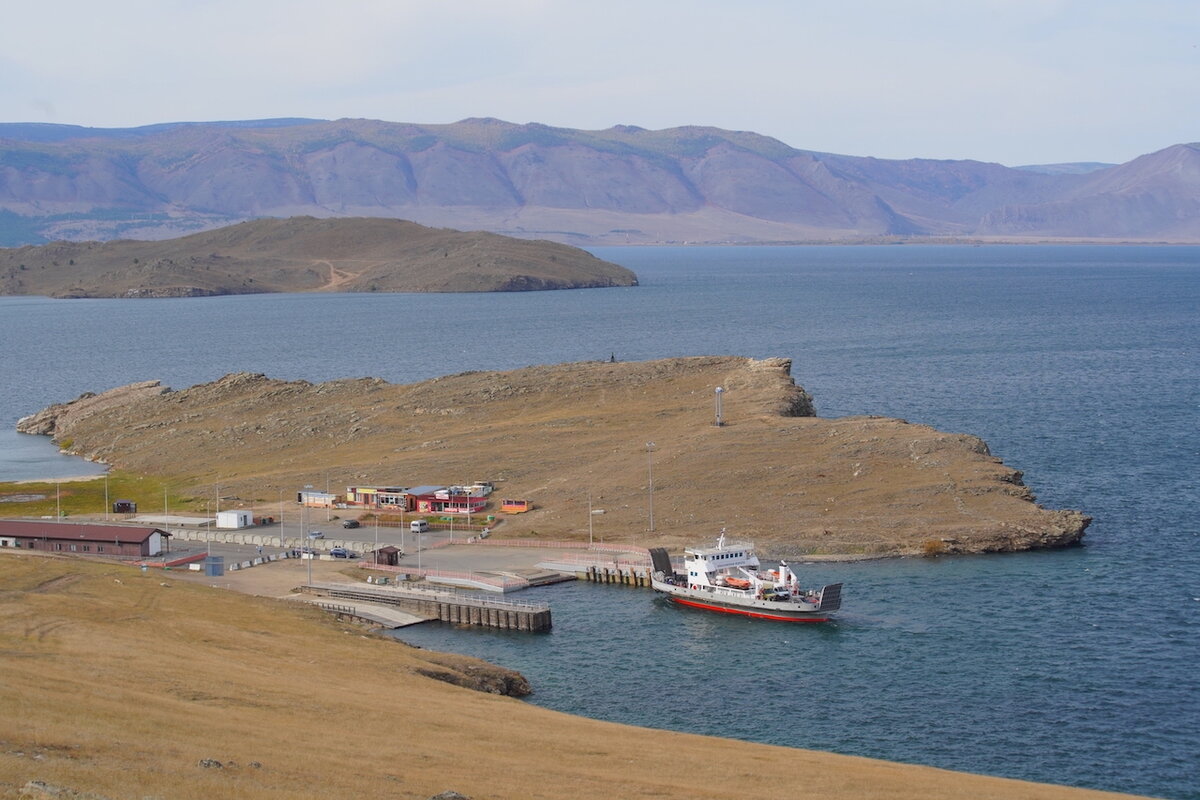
x,y
316,535
350,523
339,552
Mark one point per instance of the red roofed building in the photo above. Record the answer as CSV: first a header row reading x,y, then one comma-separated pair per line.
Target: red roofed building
x,y
82,538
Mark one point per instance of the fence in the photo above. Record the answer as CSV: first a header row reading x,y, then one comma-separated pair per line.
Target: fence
x,y
564,545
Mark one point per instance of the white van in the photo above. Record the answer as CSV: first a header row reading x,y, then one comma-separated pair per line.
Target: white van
x,y
418,526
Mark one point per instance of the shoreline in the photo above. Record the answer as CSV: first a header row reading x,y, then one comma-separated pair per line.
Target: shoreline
x,y
67,479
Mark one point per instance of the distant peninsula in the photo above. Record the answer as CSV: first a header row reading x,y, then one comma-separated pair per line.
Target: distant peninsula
x,y
304,254
572,437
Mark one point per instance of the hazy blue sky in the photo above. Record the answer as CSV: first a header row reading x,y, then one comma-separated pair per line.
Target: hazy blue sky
x,y
1014,81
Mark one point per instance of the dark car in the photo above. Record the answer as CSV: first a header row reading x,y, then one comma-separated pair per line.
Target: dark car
x,y
350,523
339,552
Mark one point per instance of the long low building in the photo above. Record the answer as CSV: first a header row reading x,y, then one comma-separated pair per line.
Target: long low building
x,y
84,538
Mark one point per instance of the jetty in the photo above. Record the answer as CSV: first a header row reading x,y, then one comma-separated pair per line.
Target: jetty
x,y
434,604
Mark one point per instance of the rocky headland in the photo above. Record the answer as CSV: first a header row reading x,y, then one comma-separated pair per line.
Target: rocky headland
x,y
303,254
571,436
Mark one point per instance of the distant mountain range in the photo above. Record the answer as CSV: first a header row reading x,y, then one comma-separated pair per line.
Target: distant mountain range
x,y
620,185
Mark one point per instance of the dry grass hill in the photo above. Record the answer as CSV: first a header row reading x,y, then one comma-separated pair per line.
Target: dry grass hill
x,y
119,685
568,435
303,254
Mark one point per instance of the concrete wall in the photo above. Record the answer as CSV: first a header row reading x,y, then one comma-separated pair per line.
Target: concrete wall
x,y
258,538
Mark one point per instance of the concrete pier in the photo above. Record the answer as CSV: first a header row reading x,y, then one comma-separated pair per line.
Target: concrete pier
x,y
623,576
457,609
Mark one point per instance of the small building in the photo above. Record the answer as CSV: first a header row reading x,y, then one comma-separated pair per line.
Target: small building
x,y
515,506
447,500
390,498
232,520
124,507
82,538
318,499
388,556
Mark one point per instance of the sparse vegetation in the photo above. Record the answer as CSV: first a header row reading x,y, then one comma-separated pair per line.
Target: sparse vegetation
x,y
86,497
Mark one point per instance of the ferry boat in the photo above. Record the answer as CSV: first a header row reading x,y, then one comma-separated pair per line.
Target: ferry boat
x,y
727,578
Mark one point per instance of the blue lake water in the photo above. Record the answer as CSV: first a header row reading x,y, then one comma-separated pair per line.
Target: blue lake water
x,y
1078,365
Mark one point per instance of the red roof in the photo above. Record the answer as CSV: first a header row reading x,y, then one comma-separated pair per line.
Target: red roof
x,y
77,531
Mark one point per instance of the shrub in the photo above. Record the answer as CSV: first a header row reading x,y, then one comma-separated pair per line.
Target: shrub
x,y
933,548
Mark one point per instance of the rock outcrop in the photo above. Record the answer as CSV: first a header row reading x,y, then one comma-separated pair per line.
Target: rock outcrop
x,y
53,420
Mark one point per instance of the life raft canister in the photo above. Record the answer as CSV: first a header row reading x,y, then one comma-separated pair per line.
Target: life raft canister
x,y
694,586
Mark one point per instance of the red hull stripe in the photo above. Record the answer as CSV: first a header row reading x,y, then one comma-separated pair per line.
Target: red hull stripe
x,y
746,613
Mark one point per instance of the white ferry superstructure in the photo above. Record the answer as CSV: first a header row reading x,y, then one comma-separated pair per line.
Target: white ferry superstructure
x,y
727,578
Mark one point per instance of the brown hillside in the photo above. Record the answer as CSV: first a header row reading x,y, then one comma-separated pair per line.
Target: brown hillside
x,y
128,686
568,434
303,254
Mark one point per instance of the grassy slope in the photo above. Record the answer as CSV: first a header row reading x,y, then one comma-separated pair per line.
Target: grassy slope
x,y
120,683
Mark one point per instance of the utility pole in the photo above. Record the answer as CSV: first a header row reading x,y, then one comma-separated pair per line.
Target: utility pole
x,y
650,473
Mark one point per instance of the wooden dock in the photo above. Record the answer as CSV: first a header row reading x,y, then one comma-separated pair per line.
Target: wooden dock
x,y
452,607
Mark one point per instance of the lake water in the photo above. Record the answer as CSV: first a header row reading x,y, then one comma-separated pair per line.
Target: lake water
x,y
1078,365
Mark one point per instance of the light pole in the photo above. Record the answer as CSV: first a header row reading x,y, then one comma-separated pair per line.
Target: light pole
x,y
312,551
106,497
650,473
328,504
281,518
720,391
592,512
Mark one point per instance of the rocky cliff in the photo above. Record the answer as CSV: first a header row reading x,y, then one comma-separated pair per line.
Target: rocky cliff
x,y
570,435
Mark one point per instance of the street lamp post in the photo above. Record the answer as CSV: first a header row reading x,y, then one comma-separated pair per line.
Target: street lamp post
x,y
106,497
312,551
650,473
720,391
592,512
281,518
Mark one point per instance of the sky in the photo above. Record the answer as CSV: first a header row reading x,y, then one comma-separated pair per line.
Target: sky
x,y
1011,81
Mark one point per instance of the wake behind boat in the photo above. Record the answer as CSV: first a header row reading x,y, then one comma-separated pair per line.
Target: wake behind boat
x,y
727,578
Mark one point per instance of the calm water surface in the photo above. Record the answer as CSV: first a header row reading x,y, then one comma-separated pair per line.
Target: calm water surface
x,y
1078,365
